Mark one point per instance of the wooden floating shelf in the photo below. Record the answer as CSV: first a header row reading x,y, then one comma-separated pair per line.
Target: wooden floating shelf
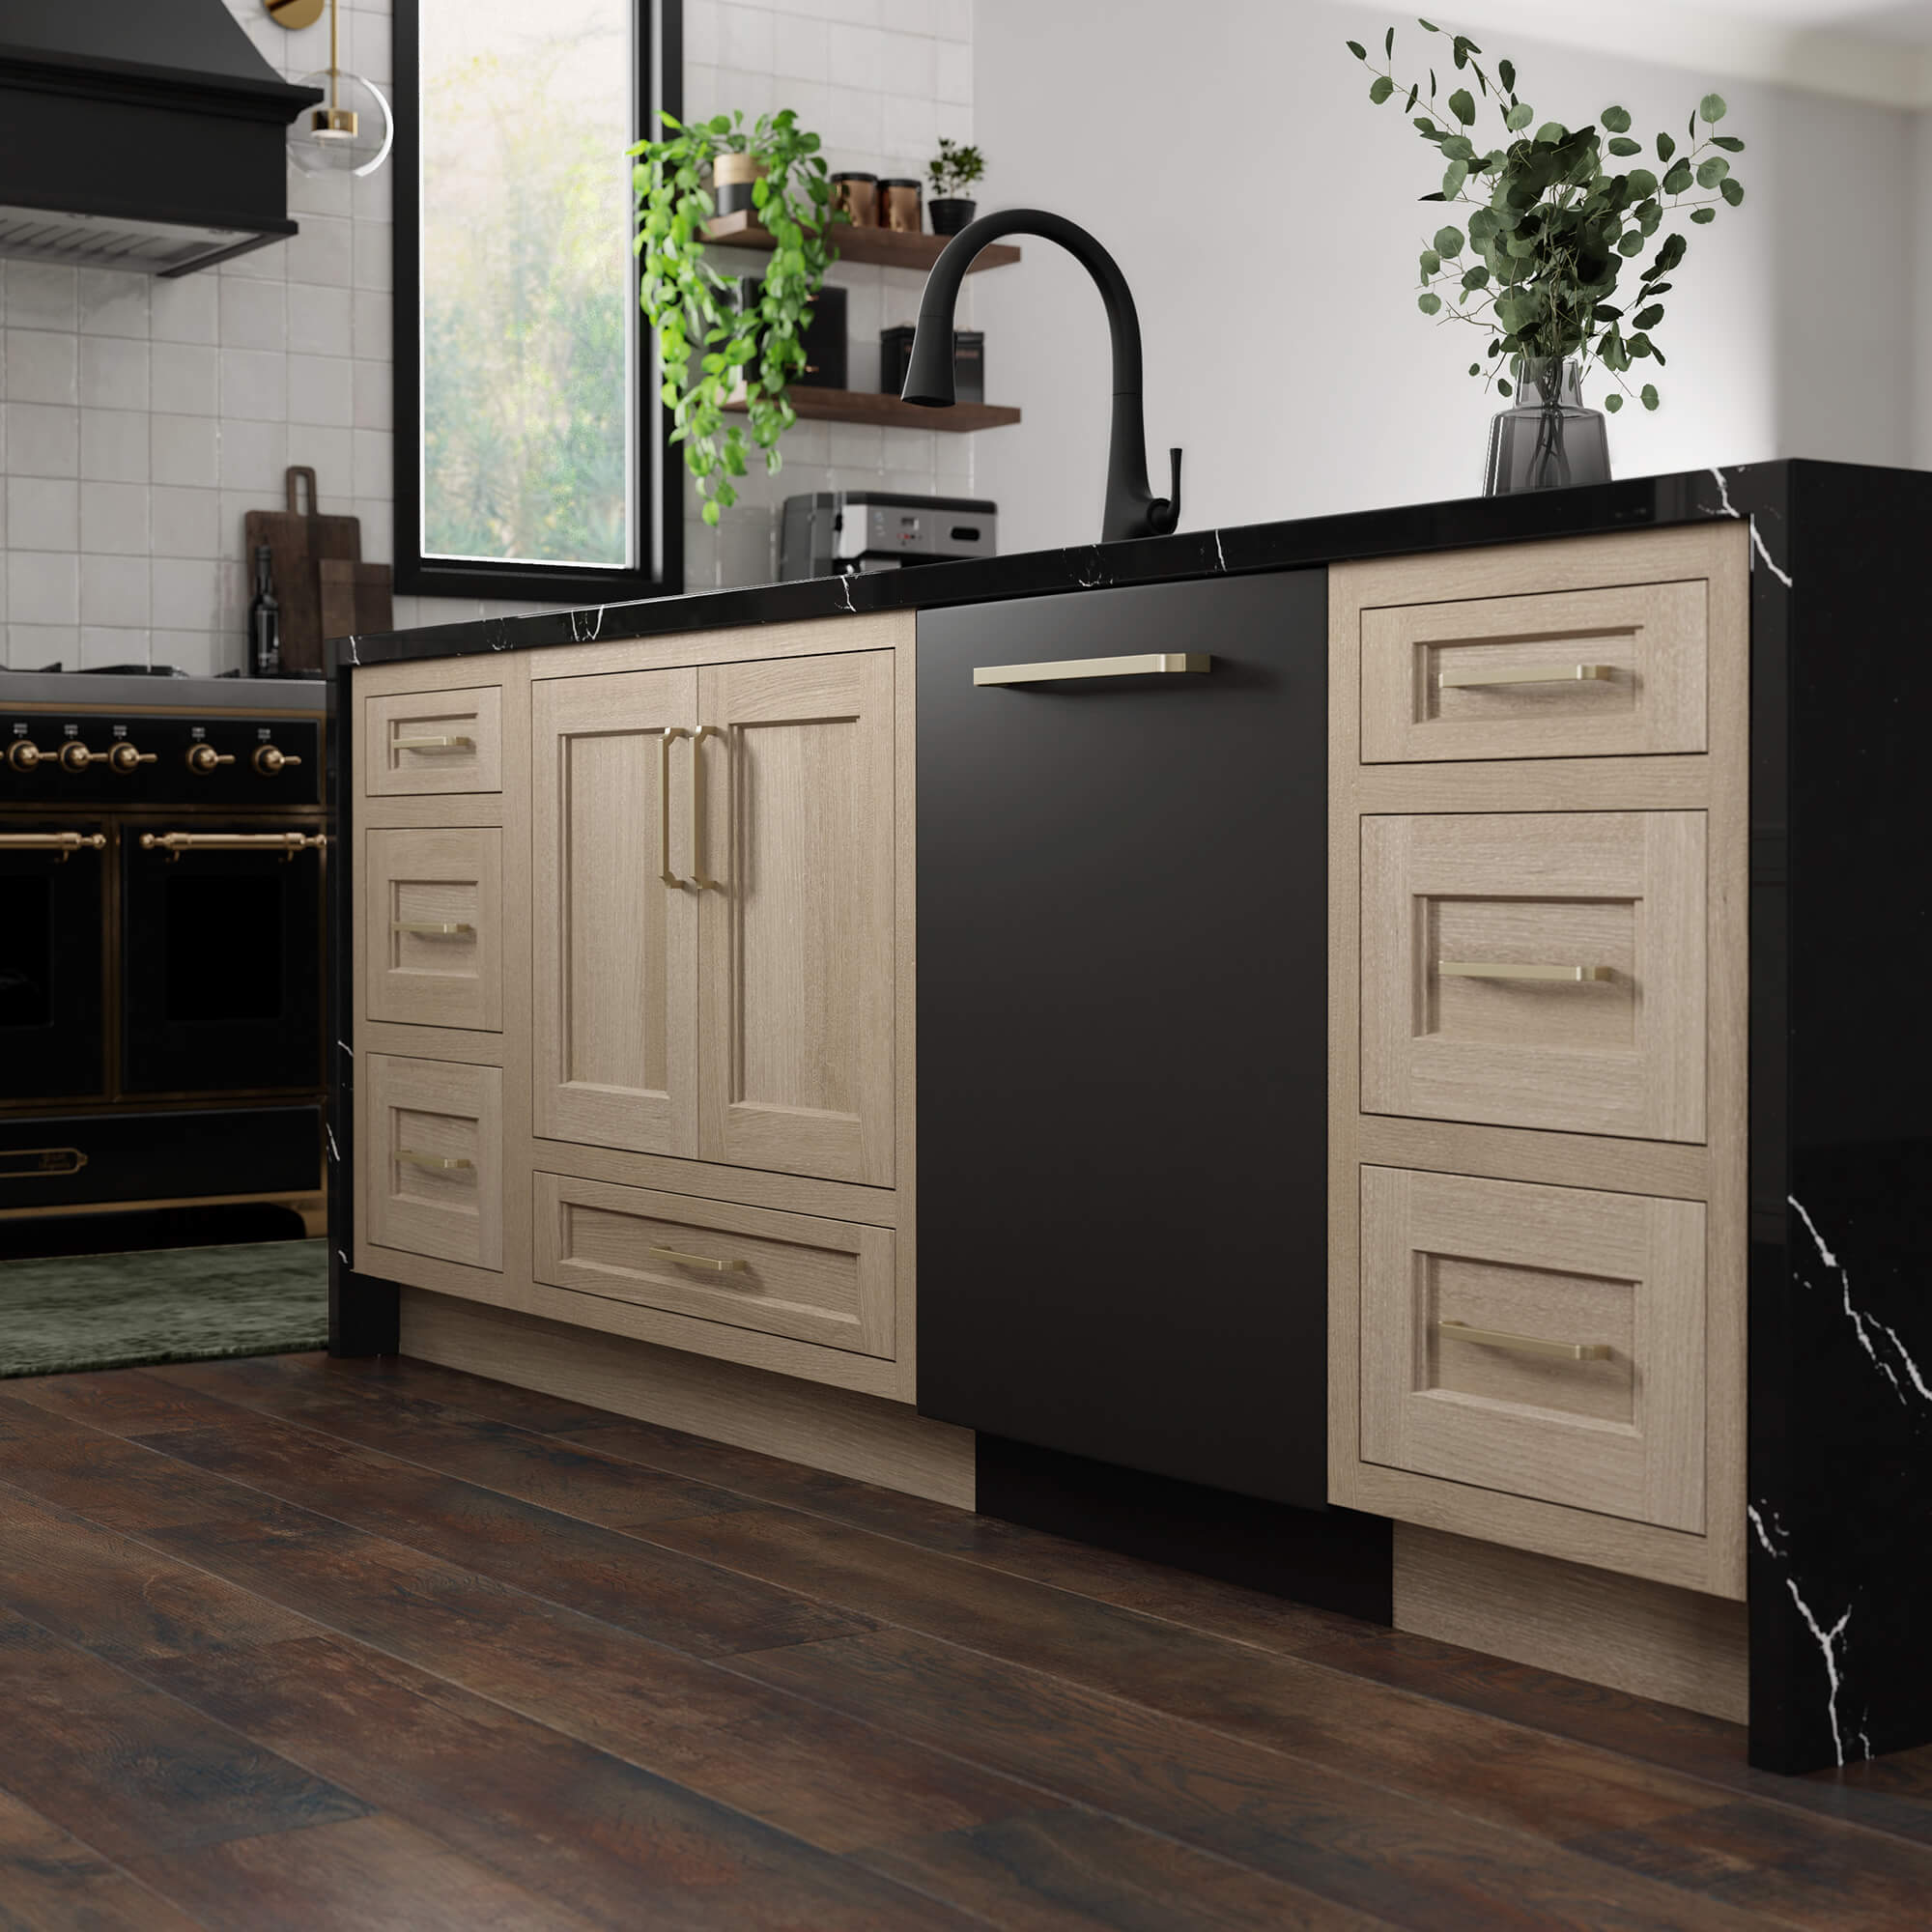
x,y
879,247
860,406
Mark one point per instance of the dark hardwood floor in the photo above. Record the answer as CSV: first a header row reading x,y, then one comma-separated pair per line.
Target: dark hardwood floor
x,y
290,1643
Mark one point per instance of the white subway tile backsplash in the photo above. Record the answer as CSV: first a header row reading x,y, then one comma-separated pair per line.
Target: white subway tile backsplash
x,y
799,49
187,309
373,197
114,518
41,367
43,587
114,445
702,31
103,646
40,646
43,512
953,19
379,530
370,258
258,265
320,321
953,71
323,253
112,301
254,315
43,439
114,591
331,452
185,450
188,593
254,455
372,328
319,195
186,522
40,295
375,385
254,384
857,57
374,464
113,373
200,653
744,39
321,390
185,379
906,64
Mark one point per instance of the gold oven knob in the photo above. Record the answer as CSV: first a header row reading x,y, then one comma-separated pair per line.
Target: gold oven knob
x,y
123,757
23,754
76,758
268,759
205,758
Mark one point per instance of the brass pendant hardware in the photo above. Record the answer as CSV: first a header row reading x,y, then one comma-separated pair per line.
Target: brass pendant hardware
x,y
1528,674
1485,969
204,757
66,843
1524,1345
293,15
697,877
284,844
664,872
1151,664
268,759
434,744
696,1260
437,1163
123,757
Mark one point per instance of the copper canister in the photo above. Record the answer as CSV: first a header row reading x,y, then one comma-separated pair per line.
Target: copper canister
x,y
898,205
858,194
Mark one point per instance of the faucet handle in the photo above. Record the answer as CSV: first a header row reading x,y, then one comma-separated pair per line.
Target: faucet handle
x,y
1164,512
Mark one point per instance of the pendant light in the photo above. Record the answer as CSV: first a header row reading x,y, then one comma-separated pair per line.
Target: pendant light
x,y
352,130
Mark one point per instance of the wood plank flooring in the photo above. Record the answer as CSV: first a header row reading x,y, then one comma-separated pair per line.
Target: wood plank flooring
x,y
291,1643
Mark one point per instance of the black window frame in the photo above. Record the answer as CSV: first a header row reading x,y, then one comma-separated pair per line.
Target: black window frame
x,y
660,479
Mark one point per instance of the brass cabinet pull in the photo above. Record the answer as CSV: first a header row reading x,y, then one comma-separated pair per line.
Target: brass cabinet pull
x,y
437,1163
1498,969
664,872
433,745
696,1260
1151,663
285,844
40,1163
1528,674
66,843
1524,1345
440,929
697,877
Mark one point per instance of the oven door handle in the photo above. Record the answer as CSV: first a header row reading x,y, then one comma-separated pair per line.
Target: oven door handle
x,y
66,843
286,843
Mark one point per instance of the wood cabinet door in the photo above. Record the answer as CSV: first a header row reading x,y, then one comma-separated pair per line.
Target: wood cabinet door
x,y
614,980
795,857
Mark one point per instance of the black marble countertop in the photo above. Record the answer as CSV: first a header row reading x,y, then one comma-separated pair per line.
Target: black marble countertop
x,y
1687,496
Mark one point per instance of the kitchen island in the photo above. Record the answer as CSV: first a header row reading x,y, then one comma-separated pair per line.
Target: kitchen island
x,y
1501,1125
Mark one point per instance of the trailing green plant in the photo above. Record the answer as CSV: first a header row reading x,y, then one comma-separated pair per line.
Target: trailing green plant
x,y
954,169
699,314
1553,224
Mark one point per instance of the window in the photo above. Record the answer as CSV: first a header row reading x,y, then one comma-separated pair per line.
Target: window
x,y
530,453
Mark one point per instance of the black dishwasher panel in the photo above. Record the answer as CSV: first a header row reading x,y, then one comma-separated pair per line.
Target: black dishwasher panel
x,y
1122,1011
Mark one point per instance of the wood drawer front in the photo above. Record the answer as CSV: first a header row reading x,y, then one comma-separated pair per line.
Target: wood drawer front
x,y
1622,1436
830,1282
433,927
423,1112
433,741
1649,642
1618,894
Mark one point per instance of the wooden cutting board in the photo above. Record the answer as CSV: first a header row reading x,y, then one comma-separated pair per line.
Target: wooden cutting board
x,y
298,541
356,598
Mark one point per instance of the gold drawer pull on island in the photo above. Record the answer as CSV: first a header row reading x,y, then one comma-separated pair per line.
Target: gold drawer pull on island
x,y
437,1163
66,843
441,928
1497,969
664,871
434,744
1528,674
1151,663
698,876
1524,1345
696,1260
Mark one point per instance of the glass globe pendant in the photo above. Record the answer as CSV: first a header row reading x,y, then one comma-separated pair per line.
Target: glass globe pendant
x,y
351,132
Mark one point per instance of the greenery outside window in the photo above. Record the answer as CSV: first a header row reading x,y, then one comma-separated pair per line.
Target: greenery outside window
x,y
531,452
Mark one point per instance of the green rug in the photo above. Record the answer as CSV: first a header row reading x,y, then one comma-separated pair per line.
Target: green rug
x,y
164,1305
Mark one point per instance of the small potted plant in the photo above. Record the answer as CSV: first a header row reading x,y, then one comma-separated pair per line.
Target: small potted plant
x,y
1551,227
951,171
754,347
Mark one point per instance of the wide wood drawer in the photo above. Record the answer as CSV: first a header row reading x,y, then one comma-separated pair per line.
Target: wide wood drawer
x,y
1537,970
433,741
433,927
1570,674
830,1282
1547,1342
432,1158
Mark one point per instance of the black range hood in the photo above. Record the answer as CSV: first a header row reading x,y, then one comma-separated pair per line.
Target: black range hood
x,y
139,135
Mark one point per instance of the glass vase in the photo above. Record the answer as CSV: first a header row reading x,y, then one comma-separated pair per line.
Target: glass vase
x,y
1546,439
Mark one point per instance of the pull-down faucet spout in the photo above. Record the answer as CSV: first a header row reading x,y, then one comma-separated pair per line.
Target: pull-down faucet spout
x,y
1131,509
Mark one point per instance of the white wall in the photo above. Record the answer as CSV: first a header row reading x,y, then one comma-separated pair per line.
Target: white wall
x,y
1265,215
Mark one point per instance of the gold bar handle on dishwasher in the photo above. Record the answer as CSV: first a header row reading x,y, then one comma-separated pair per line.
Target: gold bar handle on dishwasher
x,y
696,1260
436,928
433,744
1468,680
1524,1345
697,877
66,843
664,872
284,844
1502,969
40,1163
437,1163
1149,664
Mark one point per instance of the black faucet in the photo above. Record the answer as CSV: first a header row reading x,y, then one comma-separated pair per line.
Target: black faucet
x,y
1131,510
